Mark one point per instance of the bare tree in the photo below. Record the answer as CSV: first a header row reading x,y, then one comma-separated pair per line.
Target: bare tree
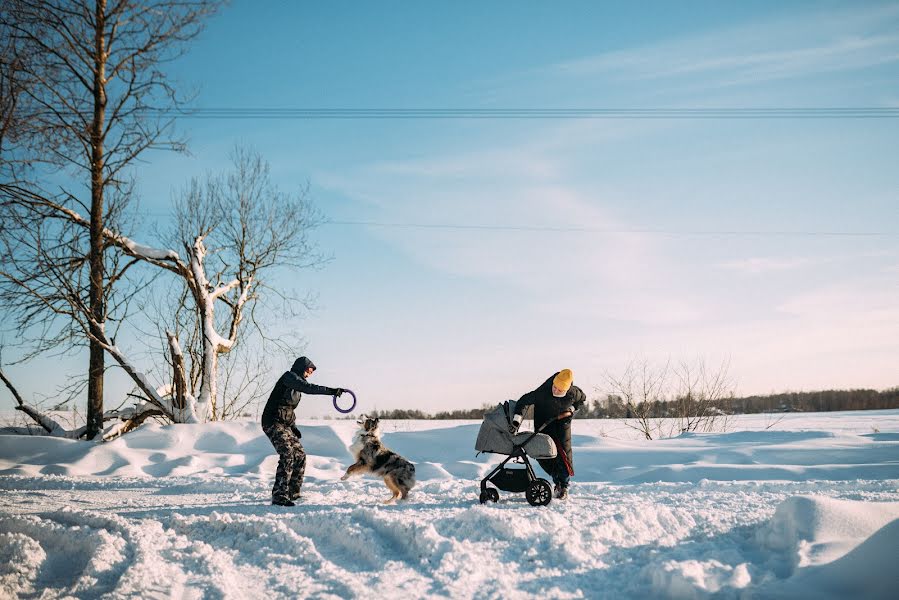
x,y
698,395
663,401
640,387
236,229
13,83
50,425
49,276
44,276
89,106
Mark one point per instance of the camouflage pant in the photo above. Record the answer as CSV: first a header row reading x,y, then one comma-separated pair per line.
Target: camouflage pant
x,y
291,464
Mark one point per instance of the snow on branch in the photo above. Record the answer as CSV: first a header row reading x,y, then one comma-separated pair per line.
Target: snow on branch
x,y
165,405
141,251
131,419
169,259
50,425
224,289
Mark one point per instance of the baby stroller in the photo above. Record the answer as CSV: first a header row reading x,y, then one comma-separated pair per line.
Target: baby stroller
x,y
494,437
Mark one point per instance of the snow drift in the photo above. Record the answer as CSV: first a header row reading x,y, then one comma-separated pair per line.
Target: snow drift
x,y
182,511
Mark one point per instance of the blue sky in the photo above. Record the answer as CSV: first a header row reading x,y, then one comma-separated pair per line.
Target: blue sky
x,y
438,319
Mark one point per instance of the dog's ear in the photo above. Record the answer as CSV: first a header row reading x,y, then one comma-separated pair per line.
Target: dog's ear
x,y
376,421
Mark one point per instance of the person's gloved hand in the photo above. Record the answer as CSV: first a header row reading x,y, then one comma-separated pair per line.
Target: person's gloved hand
x,y
515,424
338,392
565,417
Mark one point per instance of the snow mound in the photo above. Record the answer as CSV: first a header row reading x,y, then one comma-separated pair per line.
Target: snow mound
x,y
817,530
225,449
811,547
868,571
445,451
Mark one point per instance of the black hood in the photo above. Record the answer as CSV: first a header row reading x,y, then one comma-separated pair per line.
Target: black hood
x,y
301,364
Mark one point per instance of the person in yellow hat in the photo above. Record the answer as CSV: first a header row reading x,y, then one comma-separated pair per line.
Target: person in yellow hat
x,y
557,398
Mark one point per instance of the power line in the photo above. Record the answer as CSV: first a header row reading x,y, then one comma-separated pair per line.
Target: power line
x,y
839,112
606,231
596,230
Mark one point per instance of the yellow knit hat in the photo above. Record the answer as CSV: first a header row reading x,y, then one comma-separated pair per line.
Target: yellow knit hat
x,y
563,380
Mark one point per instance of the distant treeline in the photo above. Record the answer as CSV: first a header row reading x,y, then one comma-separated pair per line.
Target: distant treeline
x,y
400,413
613,407
829,400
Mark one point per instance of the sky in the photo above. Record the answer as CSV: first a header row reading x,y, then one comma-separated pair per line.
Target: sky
x,y
498,251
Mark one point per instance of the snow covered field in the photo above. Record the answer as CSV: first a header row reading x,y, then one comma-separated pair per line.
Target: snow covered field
x,y
806,509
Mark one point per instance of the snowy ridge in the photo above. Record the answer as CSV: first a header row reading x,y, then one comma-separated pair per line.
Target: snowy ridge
x,y
182,511
240,449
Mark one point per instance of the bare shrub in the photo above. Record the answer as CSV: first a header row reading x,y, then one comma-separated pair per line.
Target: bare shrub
x,y
664,400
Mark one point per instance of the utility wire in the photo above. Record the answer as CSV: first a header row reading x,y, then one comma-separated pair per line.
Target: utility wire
x,y
587,229
605,231
838,112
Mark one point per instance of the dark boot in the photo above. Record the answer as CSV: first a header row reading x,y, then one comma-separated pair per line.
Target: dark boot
x,y
282,502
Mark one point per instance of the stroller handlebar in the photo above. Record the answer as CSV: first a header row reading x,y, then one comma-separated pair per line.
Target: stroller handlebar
x,y
554,419
542,427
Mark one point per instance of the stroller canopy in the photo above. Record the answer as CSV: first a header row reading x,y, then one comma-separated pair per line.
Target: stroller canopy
x,y
494,435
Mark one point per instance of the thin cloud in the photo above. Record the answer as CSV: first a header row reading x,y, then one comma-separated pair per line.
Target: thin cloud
x,y
480,164
872,300
756,265
622,277
744,55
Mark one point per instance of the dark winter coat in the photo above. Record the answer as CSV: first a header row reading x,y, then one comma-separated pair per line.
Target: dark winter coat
x,y
548,407
287,394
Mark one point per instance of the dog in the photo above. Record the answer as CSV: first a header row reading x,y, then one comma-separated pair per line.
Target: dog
x,y
373,457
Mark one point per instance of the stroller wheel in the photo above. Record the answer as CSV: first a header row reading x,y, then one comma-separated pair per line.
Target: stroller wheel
x,y
491,495
539,493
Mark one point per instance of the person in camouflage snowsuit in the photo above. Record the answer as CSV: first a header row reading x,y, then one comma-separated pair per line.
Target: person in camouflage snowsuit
x,y
279,425
558,398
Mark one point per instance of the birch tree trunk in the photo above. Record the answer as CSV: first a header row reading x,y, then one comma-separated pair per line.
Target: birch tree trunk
x,y
213,342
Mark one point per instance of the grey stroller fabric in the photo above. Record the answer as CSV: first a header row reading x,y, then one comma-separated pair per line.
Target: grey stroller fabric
x,y
494,435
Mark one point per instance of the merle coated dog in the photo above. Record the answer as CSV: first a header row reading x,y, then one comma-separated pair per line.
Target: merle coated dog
x,y
373,457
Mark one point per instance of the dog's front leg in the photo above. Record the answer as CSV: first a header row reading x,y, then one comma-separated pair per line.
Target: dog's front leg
x,y
352,470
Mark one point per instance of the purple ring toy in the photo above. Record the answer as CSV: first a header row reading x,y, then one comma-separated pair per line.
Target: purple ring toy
x,y
350,409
